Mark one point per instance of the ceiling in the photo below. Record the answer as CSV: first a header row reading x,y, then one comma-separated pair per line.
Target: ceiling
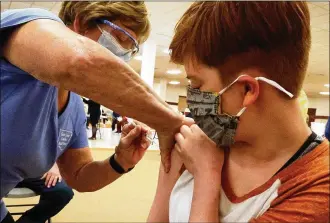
x,y
164,15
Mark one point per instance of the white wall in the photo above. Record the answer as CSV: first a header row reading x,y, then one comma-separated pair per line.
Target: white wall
x,y
321,104
173,92
156,87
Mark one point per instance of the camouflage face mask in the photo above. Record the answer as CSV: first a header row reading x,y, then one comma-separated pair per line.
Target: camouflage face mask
x,y
218,126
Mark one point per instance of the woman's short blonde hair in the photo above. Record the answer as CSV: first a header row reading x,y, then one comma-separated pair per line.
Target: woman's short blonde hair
x,y
132,14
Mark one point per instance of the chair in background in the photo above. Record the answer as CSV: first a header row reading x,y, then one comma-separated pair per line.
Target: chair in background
x,y
21,193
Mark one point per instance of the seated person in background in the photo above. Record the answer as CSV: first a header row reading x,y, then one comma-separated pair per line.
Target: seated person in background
x,y
251,156
54,193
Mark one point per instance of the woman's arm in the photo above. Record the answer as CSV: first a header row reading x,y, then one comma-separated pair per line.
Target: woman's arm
x,y
54,54
84,174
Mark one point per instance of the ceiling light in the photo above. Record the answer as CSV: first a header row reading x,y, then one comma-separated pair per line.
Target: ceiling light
x,y
174,71
325,93
174,82
327,85
138,57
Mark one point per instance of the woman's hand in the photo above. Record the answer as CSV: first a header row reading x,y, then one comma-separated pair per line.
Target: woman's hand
x,y
132,145
199,153
166,141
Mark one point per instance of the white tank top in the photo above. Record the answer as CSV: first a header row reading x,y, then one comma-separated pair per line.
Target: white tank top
x,y
182,193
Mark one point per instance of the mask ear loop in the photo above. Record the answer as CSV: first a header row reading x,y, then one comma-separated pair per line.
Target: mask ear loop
x,y
241,112
223,90
274,84
99,28
271,82
268,81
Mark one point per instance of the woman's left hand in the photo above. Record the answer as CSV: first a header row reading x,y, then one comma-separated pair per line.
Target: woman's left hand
x,y
132,145
199,153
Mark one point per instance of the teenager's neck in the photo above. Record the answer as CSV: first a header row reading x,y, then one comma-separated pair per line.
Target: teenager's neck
x,y
277,139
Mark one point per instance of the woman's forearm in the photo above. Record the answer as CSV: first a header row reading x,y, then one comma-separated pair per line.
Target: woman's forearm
x,y
206,199
85,179
70,61
102,77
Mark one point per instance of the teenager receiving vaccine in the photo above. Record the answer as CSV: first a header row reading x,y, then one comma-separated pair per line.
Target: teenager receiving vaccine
x,y
250,157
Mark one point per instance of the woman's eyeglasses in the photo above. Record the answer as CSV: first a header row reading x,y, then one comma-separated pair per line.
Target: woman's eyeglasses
x,y
135,48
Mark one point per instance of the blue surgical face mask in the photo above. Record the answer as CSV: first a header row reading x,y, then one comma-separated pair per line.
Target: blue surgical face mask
x,y
109,42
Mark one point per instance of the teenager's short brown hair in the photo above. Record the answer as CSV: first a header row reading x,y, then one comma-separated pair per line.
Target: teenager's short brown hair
x,y
132,14
273,37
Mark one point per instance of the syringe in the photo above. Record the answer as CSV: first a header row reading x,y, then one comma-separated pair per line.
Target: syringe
x,y
130,121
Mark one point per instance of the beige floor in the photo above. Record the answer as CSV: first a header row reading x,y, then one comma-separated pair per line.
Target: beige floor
x,y
126,200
